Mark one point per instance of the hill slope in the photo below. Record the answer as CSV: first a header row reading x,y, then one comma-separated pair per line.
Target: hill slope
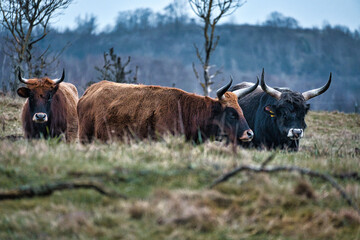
x,y
297,58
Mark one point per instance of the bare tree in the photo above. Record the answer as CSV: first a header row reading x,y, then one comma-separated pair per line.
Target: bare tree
x,y
210,12
115,70
27,23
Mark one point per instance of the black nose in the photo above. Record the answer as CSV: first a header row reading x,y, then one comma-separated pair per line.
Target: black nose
x,y
40,117
247,136
250,134
297,132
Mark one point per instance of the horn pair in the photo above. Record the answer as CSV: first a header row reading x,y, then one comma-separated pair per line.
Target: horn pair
x,y
239,93
307,95
57,80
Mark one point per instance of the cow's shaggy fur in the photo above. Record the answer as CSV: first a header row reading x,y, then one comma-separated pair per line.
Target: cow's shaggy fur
x,y
109,110
62,115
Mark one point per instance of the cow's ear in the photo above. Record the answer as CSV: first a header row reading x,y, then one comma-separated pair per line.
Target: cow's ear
x,y
23,92
268,109
307,107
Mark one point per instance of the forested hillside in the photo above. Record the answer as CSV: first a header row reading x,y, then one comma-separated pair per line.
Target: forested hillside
x,y
163,49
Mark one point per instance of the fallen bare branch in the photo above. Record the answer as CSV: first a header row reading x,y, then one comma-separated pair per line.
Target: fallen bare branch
x,y
48,189
274,169
350,175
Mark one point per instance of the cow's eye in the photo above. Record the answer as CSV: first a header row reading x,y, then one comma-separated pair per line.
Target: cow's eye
x,y
232,116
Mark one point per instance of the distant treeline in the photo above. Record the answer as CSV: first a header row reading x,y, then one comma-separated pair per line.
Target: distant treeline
x,y
162,46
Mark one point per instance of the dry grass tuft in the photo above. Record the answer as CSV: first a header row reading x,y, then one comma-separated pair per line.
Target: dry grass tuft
x,y
10,109
328,222
348,216
304,188
138,209
73,221
186,209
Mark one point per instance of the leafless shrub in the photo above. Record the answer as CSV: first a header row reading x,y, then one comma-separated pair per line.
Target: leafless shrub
x,y
114,69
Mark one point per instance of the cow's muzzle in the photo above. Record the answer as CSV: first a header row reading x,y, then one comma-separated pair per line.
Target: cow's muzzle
x,y
247,136
40,117
295,133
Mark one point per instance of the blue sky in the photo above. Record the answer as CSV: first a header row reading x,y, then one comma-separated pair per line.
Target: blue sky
x,y
309,13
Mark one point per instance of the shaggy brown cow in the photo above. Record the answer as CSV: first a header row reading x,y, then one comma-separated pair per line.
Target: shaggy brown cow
x,y
109,110
50,109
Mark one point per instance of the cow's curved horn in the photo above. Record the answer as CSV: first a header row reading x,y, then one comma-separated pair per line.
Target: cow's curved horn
x,y
222,90
316,92
59,80
23,80
269,90
242,92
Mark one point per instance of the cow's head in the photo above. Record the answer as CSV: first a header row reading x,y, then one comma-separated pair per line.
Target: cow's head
x,y
232,119
290,108
40,92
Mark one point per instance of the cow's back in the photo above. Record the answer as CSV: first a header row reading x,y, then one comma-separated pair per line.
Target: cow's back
x,y
109,110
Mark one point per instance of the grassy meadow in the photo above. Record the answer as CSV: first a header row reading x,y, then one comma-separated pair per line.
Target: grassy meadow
x,y
167,187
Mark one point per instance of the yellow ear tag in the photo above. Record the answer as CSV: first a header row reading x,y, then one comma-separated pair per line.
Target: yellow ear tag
x,y
272,114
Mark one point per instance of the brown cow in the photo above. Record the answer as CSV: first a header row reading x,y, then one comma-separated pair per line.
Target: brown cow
x,y
50,108
109,110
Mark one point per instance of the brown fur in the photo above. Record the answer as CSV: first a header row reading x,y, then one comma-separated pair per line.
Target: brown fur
x,y
63,108
110,110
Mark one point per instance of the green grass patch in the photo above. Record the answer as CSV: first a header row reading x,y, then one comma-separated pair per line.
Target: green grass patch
x,y
167,185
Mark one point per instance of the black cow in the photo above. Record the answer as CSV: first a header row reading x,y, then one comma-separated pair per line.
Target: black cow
x,y
276,115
